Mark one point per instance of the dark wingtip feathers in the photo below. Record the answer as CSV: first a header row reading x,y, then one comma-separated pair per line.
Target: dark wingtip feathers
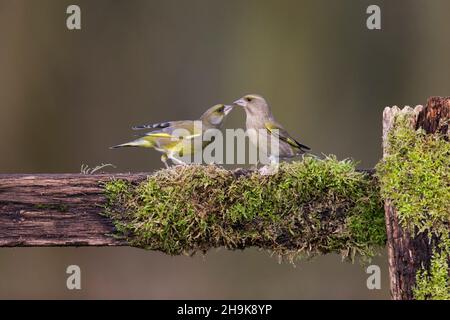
x,y
160,125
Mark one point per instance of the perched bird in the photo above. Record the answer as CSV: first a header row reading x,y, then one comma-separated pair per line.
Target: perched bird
x,y
262,126
175,139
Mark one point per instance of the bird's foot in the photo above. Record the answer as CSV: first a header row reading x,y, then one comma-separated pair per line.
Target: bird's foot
x,y
164,160
177,161
268,170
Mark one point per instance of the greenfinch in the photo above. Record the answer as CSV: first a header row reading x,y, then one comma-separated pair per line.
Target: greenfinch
x,y
262,126
176,139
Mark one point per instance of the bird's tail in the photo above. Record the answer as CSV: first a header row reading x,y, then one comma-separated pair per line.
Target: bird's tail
x,y
143,143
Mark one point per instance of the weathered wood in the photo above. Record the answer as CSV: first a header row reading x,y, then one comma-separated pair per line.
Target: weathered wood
x,y
60,209
407,253
55,210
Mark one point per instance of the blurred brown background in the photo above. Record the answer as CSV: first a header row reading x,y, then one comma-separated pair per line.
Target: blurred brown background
x,y
65,96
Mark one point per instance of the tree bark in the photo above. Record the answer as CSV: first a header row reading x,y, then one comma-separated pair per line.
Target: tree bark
x,y
56,210
406,252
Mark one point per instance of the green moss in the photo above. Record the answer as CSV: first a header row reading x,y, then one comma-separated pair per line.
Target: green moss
x,y
117,190
434,283
415,177
55,206
308,207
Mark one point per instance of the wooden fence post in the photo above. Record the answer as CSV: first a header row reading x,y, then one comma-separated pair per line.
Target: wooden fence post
x,y
407,252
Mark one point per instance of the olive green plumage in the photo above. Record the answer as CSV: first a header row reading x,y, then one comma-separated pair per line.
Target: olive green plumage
x,y
262,126
175,139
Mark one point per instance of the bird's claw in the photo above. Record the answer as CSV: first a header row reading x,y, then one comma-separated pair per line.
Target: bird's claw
x,y
268,170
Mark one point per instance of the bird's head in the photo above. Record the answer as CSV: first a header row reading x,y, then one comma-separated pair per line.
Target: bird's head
x,y
253,104
216,114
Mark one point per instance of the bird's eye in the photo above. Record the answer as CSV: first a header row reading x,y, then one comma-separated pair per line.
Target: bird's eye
x,y
220,109
248,99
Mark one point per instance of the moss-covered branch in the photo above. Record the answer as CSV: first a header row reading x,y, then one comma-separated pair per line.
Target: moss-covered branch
x,y
308,207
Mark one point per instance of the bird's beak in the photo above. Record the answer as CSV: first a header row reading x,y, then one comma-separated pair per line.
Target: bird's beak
x,y
227,109
240,102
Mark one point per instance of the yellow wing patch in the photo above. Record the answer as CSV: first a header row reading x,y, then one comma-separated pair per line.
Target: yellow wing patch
x,y
281,135
170,136
160,135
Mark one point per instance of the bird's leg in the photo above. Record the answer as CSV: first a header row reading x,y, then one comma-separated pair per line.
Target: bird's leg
x,y
175,160
164,160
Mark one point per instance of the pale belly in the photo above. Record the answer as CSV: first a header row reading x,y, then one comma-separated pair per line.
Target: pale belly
x,y
268,145
260,140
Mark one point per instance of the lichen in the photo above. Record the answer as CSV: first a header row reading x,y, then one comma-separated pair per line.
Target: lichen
x,y
308,207
415,178
52,206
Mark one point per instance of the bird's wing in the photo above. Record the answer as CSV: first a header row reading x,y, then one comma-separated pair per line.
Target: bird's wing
x,y
159,125
177,130
278,131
